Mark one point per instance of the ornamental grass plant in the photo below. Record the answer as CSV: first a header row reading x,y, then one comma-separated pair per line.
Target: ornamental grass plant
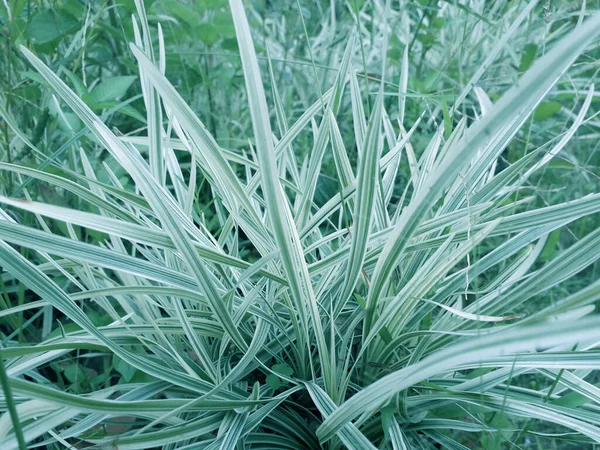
x,y
349,263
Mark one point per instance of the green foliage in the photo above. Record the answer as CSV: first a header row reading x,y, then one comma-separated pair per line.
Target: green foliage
x,y
528,56
546,110
296,225
110,89
49,25
274,380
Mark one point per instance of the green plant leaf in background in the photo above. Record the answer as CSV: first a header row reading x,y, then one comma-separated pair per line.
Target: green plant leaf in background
x,y
546,110
49,25
108,90
527,57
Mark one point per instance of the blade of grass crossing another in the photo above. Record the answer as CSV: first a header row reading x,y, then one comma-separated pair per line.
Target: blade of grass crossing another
x,y
278,208
349,435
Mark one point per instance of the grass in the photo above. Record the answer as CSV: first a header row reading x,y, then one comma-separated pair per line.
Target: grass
x,y
369,225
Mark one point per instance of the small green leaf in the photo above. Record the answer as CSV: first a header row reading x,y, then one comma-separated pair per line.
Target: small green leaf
x,y
230,44
550,248
283,369
222,20
545,111
503,425
437,22
74,373
528,56
385,335
111,89
361,301
128,110
426,38
208,33
273,381
34,76
384,332
126,370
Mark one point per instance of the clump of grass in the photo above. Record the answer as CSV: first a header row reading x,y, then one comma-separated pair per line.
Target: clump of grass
x,y
371,319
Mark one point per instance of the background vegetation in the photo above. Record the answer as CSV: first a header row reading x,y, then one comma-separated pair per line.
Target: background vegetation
x,y
394,245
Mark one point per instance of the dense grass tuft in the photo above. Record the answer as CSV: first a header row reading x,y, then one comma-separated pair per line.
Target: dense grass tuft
x,y
372,230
